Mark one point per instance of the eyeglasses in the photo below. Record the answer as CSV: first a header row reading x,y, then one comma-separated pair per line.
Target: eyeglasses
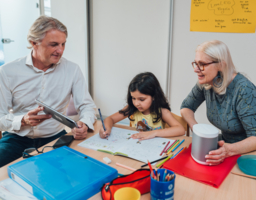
x,y
200,66
30,152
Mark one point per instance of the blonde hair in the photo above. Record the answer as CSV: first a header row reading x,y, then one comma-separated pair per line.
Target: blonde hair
x,y
218,51
43,24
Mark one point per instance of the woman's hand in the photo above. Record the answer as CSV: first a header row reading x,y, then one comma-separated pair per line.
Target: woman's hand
x,y
144,135
218,156
104,134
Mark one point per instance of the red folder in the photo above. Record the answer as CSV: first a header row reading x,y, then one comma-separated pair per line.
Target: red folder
x,y
185,165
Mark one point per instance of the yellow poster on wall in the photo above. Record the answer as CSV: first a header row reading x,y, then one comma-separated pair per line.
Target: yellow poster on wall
x,y
233,16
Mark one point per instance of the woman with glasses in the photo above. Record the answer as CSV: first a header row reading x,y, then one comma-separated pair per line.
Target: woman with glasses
x,y
230,100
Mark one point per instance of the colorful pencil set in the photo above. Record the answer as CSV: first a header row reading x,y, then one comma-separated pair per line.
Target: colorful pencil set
x,y
165,178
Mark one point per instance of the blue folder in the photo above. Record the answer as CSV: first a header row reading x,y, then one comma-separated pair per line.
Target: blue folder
x,y
63,174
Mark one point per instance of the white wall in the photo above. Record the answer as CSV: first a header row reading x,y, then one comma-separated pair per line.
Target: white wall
x,y
73,14
241,46
17,16
131,36
128,37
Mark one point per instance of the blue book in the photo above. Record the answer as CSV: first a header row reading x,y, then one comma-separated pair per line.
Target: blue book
x,y
63,174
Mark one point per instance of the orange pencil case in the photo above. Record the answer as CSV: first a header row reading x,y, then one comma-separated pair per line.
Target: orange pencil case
x,y
140,179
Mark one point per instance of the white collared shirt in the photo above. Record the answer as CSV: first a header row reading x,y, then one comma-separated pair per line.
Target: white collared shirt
x,y
21,83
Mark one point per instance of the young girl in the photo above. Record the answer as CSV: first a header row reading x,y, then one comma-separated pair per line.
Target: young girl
x,y
147,104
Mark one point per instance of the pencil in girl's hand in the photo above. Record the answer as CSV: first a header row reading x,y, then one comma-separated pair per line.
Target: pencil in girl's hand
x,y
101,118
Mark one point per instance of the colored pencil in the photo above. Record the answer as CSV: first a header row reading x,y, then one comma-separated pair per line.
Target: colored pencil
x,y
152,174
151,169
154,161
169,146
178,152
167,177
173,146
164,148
165,172
178,145
158,165
126,167
183,150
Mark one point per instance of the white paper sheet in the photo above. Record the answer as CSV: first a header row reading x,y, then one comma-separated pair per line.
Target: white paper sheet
x,y
120,141
114,142
9,190
146,149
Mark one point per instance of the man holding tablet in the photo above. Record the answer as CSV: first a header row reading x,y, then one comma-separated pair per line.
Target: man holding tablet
x,y
46,76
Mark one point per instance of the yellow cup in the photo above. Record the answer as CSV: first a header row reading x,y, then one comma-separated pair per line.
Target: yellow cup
x,y
127,193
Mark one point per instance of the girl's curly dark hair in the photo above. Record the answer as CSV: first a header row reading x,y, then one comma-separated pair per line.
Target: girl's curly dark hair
x,y
146,83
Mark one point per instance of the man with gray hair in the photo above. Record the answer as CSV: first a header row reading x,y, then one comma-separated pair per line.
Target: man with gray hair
x,y
46,76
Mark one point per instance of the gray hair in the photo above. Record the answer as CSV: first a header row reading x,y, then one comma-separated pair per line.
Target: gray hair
x,y
218,51
43,24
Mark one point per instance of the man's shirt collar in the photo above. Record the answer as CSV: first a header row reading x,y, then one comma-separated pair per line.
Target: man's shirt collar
x,y
29,62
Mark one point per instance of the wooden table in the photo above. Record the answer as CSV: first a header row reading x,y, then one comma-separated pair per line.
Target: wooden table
x,y
234,187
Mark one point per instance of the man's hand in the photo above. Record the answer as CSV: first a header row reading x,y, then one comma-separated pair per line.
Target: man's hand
x,y
81,132
33,119
218,156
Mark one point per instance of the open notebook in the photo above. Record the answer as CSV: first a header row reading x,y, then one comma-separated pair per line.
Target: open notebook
x,y
120,143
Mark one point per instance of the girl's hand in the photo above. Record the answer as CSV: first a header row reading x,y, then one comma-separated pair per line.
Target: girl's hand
x,y
104,134
218,156
144,135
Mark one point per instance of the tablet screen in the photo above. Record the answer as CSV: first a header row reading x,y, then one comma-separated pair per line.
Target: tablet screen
x,y
57,116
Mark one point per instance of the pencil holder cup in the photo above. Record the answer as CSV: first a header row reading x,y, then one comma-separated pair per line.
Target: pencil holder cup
x,y
162,190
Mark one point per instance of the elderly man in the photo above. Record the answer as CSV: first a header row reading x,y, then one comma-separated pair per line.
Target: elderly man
x,y
46,76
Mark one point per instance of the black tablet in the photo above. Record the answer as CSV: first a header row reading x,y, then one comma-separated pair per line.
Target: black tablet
x,y
57,116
